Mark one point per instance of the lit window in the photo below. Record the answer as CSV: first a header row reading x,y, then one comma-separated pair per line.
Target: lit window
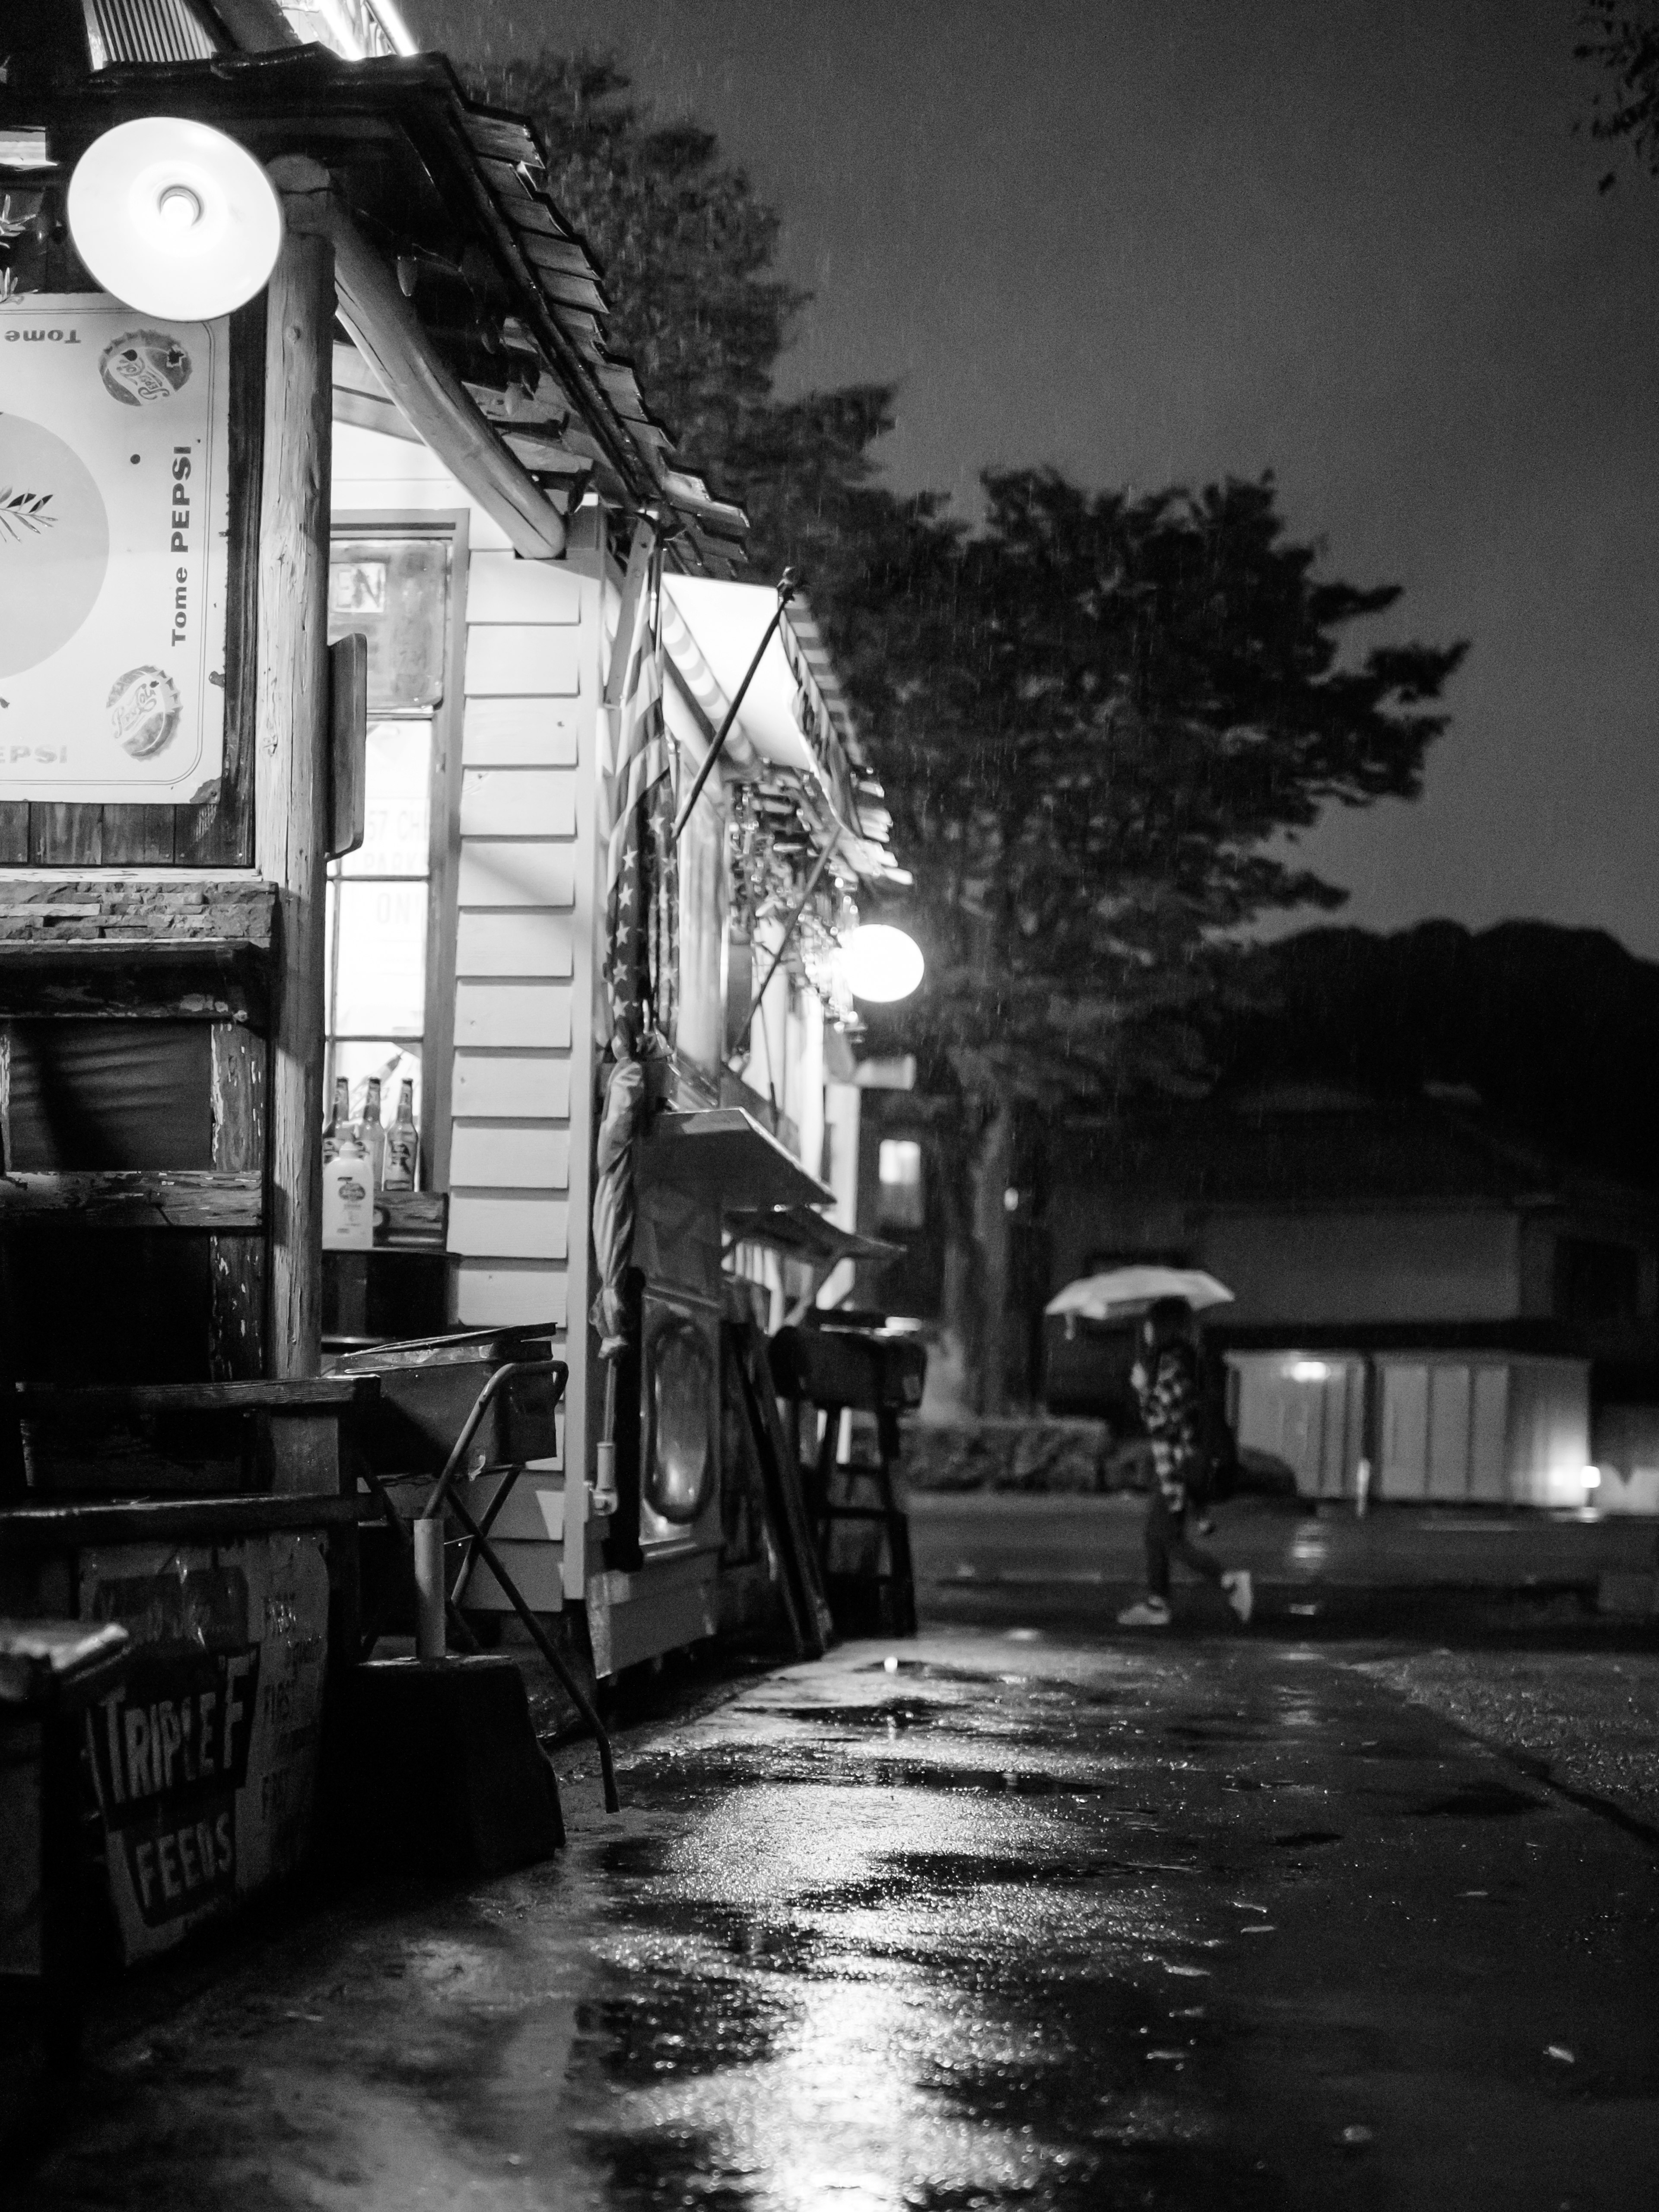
x,y
901,1204
396,592
378,899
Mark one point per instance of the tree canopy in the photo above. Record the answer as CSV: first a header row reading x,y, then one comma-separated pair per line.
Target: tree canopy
x,y
1109,707
1094,715
1621,39
688,252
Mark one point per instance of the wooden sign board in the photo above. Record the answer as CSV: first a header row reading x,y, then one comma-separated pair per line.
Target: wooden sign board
x,y
204,1757
114,519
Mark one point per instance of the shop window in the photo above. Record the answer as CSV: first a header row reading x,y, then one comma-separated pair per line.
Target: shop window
x,y
903,1201
396,591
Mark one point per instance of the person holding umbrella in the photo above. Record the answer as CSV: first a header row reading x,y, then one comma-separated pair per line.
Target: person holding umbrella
x,y
1167,1384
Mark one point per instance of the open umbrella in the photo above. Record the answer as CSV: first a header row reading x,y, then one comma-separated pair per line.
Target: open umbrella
x,y
1122,1292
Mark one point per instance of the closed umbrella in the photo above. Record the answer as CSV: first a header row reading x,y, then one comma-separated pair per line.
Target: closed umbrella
x,y
1121,1293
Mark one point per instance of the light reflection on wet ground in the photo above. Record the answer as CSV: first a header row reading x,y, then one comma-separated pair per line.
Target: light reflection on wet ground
x,y
1010,1923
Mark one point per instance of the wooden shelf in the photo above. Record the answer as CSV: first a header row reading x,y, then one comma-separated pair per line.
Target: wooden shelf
x,y
222,1519
135,978
150,1199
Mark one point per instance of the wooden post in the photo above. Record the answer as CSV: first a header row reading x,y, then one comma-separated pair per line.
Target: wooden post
x,y
291,784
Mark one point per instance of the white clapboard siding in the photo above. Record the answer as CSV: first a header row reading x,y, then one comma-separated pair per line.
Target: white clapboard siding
x,y
527,874
533,1510
490,1156
529,659
514,658
490,1013
535,1569
522,1226
521,733
493,1295
518,802
501,588
511,1088
530,941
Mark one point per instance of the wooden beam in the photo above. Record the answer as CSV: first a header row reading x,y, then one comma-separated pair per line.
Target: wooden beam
x,y
306,1395
391,337
364,411
291,789
148,1198
170,1521
347,744
199,1438
236,1264
136,979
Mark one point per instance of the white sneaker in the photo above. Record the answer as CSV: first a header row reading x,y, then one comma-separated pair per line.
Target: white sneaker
x,y
1240,1596
1149,1612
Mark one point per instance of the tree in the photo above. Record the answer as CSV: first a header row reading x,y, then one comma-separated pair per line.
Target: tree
x,y
688,252
1109,707
1109,710
1622,40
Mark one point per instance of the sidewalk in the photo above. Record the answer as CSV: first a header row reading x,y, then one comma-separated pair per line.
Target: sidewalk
x,y
997,1918
989,1540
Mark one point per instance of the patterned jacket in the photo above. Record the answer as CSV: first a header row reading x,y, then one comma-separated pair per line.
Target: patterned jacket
x,y
1171,1409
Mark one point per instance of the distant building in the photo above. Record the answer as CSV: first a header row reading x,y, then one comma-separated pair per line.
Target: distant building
x,y
1416,1288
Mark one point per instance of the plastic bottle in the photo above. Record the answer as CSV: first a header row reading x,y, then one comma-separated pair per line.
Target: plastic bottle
x,y
348,1197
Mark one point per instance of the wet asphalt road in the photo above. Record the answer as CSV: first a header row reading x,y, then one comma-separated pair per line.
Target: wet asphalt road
x,y
1022,1919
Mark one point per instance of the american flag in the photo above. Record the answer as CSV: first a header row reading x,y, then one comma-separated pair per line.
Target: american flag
x,y
640,878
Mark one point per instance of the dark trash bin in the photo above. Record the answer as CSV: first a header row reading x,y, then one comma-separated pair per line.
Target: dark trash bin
x,y
51,1672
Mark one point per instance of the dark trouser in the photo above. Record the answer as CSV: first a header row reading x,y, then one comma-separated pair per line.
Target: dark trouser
x,y
1166,1540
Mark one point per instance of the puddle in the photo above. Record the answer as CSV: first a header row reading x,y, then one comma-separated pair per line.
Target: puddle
x,y
828,1767
892,1774
928,1670
1199,1732
1478,1801
686,2027
1307,1838
890,1713
907,1873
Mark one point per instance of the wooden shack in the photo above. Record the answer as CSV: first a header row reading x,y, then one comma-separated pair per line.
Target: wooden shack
x,y
345,808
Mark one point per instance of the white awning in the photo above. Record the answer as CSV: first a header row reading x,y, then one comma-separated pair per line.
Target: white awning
x,y
726,622
794,719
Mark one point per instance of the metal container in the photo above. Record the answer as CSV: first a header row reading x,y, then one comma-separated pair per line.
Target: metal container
x,y
427,1388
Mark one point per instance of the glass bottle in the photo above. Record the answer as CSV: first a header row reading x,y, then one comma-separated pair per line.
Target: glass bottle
x,y
403,1143
374,1135
340,1120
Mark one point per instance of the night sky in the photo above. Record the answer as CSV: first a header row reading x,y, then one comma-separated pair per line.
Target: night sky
x,y
1354,241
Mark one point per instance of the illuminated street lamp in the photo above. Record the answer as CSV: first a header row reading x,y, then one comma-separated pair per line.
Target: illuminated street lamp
x,y
174,218
881,964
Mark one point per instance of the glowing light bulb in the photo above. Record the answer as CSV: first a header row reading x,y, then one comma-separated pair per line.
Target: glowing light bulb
x,y
179,207
881,964
174,218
